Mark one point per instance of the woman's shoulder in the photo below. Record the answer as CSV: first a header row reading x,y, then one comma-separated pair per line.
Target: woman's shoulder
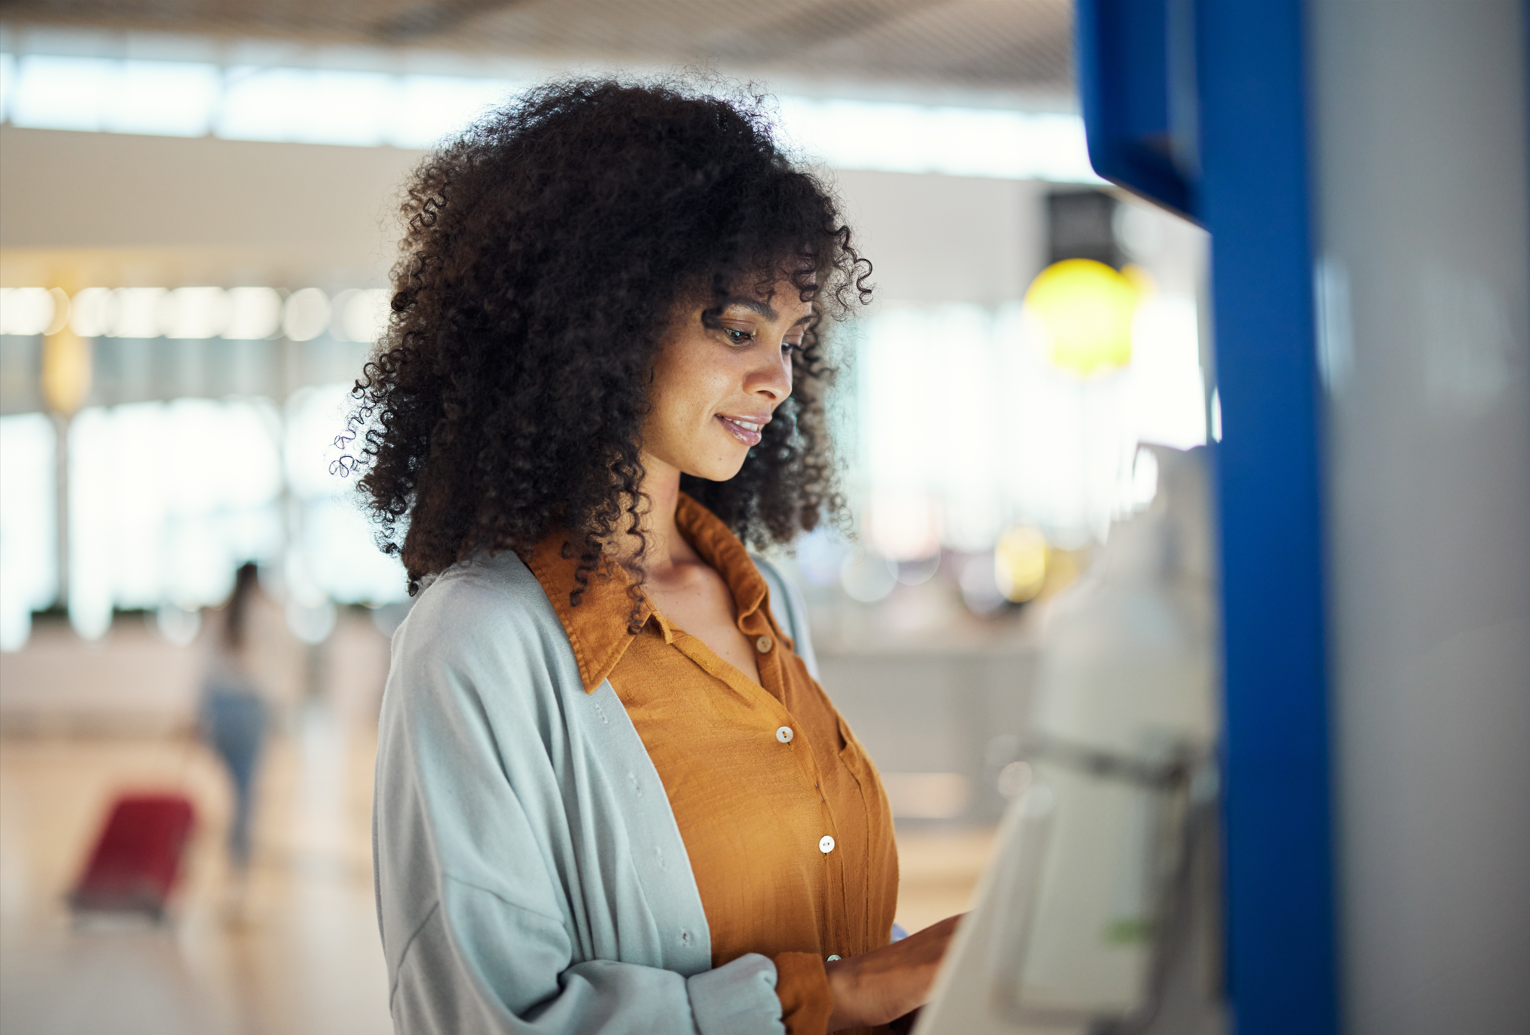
x,y
490,605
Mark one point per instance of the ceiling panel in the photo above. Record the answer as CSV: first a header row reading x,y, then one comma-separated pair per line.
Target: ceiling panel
x,y
987,44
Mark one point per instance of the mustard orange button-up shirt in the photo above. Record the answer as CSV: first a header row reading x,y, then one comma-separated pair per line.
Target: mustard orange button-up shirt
x,y
782,813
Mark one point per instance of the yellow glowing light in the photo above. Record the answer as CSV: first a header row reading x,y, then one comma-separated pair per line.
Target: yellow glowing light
x,y
1086,310
1020,563
66,354
65,371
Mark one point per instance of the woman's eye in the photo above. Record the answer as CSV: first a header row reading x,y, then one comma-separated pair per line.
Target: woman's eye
x,y
738,337
787,346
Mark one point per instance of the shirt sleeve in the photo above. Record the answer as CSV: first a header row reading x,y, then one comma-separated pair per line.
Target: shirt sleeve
x,y
802,986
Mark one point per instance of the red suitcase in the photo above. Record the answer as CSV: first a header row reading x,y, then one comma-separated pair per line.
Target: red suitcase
x,y
137,858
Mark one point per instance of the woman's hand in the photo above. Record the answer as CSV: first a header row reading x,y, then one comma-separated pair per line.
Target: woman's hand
x,y
884,985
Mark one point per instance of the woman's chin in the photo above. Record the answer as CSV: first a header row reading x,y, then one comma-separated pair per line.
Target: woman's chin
x,y
717,470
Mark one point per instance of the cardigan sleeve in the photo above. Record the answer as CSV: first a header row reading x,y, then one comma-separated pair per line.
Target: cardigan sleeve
x,y
474,896
497,970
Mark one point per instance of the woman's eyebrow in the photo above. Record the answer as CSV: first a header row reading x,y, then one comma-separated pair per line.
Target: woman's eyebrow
x,y
754,306
764,309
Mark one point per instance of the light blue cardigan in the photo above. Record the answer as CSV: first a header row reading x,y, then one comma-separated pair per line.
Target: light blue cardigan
x,y
530,875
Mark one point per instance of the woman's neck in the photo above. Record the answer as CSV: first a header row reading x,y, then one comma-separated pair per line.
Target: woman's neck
x,y
664,546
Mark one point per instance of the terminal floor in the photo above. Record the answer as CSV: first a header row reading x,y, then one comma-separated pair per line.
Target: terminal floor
x,y
296,951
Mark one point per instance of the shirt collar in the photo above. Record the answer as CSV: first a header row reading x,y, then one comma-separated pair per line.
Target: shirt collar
x,y
598,628
720,548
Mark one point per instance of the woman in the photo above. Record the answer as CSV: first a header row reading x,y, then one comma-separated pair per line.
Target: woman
x,y
233,711
610,794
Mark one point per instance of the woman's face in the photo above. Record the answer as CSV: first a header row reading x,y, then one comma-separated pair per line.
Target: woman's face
x,y
720,375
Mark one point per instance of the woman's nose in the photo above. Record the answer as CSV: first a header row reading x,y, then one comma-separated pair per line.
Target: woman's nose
x,y
773,378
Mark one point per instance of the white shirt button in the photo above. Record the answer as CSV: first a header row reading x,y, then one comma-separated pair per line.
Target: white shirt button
x,y
763,644
826,844
833,958
784,734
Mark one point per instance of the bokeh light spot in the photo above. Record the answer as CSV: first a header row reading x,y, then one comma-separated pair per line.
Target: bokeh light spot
x,y
1020,563
306,315
1086,310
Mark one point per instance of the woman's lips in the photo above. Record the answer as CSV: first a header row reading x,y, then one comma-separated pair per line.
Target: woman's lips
x,y
745,431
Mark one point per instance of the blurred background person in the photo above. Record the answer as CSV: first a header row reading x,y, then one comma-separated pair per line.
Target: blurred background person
x,y
236,710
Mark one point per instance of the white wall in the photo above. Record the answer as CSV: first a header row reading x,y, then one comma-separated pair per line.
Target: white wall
x,y
278,210
1420,113
288,213
946,238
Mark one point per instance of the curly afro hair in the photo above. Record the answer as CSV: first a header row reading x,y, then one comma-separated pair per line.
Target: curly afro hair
x,y
546,251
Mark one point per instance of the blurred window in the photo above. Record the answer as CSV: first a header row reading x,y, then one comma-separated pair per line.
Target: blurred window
x,y
166,499
62,92
432,106
964,427
7,84
259,103
28,523
333,552
908,138
167,98
368,109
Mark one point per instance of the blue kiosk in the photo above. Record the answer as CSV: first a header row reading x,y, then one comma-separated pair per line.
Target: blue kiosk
x,y
1361,167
